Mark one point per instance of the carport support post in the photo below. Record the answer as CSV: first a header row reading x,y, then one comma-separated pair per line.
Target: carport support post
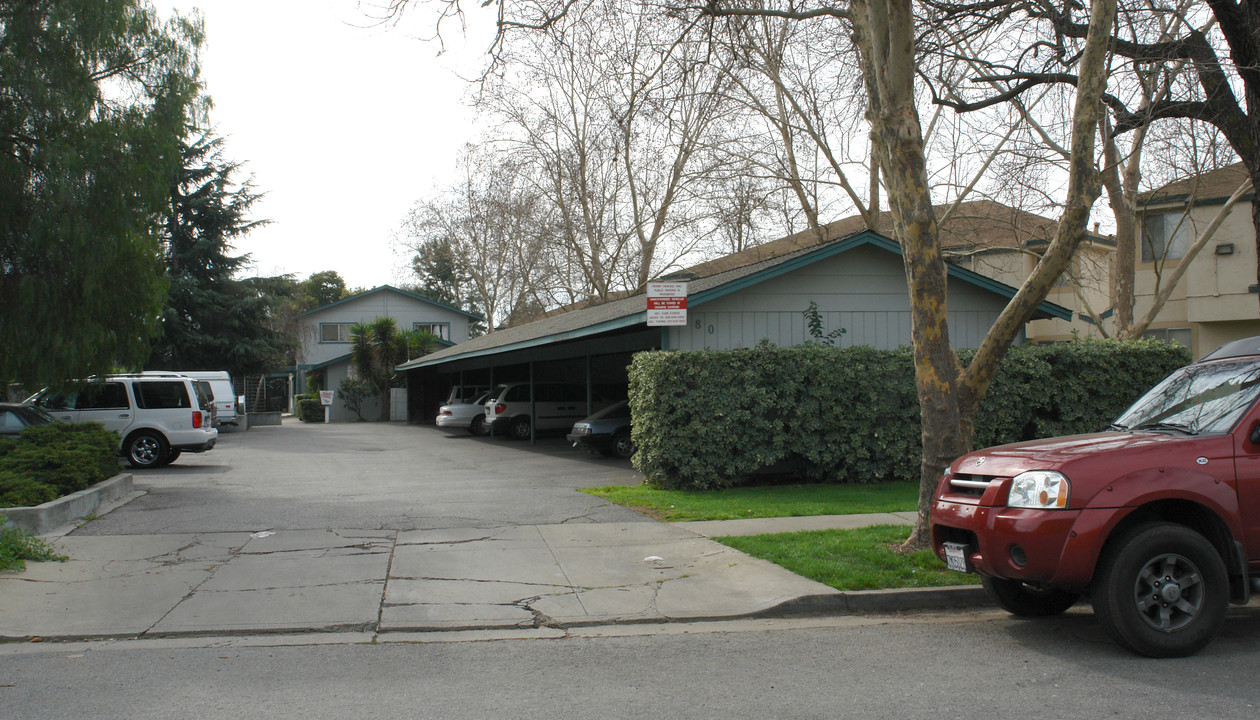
x,y
533,415
589,388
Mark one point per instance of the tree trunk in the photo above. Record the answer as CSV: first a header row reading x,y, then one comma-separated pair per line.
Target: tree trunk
x,y
949,398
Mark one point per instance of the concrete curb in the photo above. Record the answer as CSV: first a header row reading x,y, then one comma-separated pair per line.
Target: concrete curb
x,y
864,602
882,601
55,513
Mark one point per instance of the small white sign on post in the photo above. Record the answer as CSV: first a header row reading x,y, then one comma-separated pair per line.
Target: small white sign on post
x,y
325,399
666,304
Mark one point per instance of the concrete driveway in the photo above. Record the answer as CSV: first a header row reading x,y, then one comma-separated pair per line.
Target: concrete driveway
x,y
384,476
383,530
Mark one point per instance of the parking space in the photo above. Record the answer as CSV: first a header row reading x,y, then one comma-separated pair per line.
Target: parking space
x,y
385,476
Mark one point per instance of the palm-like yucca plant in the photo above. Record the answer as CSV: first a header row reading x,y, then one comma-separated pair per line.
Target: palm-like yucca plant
x,y
378,346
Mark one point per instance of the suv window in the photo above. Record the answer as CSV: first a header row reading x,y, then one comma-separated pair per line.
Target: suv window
x,y
205,394
162,394
103,396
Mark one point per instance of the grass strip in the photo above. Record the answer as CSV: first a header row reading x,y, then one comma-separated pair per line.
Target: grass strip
x,y
859,559
762,501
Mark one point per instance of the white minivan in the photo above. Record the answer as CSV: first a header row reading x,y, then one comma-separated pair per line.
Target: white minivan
x,y
557,404
224,397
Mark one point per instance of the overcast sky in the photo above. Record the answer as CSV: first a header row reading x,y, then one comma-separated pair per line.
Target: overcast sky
x,y
344,126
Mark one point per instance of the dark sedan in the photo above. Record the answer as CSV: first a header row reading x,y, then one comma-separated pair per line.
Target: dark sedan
x,y
607,431
16,417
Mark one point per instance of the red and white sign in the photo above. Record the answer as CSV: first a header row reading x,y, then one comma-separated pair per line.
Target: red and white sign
x,y
666,303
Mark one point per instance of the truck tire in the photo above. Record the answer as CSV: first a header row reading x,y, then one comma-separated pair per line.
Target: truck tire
x,y
1161,590
1023,600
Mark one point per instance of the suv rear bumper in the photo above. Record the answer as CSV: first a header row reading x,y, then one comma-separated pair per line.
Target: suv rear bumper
x,y
196,447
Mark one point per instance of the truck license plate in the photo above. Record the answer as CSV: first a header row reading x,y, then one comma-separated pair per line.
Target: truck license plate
x,y
956,556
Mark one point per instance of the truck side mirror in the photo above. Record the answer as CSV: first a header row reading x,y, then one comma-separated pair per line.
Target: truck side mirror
x,y
1253,437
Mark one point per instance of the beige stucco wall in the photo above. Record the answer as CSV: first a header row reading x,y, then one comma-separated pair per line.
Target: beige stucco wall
x,y
1214,298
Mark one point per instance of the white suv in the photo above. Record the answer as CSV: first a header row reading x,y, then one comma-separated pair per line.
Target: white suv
x,y
156,416
558,405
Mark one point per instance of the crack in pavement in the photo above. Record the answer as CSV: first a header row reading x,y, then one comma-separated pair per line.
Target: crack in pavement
x,y
481,580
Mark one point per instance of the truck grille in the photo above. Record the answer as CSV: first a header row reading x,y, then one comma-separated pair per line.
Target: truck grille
x,y
970,485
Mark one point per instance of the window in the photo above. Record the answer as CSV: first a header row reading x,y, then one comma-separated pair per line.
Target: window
x,y
1173,336
103,396
335,332
441,330
1164,237
162,395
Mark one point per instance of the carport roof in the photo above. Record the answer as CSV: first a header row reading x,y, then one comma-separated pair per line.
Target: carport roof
x,y
631,311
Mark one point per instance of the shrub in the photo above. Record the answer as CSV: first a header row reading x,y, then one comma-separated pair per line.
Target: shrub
x,y
19,491
63,456
353,390
707,419
310,410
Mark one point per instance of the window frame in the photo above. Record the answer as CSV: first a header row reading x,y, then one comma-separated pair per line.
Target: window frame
x,y
339,341
442,330
1166,248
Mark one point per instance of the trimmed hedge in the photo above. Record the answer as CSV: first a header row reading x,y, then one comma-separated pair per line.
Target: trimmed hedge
x,y
310,410
706,419
53,460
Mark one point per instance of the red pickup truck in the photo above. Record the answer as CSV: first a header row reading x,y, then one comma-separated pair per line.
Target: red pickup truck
x,y
1156,520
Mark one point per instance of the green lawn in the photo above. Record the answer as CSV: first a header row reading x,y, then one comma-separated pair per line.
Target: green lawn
x,y
763,501
861,559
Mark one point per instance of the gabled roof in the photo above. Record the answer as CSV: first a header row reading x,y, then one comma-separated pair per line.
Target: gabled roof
x,y
979,224
631,311
1210,188
391,288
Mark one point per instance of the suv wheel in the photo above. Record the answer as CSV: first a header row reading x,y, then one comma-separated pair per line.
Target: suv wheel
x,y
146,449
1161,590
1024,600
520,428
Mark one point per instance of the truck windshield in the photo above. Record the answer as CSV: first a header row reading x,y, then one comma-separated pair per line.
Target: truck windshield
x,y
1197,399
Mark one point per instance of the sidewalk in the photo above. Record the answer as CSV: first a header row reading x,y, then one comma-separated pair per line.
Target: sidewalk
x,y
381,581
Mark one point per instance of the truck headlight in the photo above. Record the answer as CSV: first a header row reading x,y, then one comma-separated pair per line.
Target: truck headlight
x,y
1039,489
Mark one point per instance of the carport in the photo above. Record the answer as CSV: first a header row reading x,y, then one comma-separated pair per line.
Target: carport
x,y
592,346
856,282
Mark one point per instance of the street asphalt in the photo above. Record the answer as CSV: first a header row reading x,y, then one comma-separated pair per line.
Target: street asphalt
x,y
415,571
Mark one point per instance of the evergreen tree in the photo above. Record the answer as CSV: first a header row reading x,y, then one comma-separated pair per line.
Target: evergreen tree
x,y
94,99
211,320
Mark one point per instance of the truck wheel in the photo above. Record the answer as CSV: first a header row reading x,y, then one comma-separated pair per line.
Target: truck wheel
x,y
1161,590
146,449
1024,600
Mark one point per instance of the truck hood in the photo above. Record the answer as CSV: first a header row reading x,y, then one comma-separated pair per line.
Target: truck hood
x,y
1076,455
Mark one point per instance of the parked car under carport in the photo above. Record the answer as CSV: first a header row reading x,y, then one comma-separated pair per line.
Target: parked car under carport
x,y
606,432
